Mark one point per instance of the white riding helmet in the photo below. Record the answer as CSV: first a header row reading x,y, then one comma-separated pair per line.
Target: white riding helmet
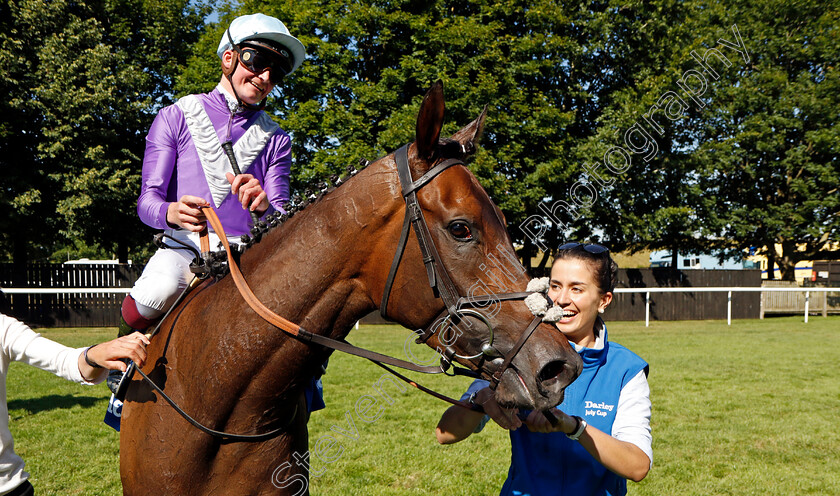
x,y
262,27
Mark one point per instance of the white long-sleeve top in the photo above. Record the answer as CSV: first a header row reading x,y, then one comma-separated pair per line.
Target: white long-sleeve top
x,y
20,343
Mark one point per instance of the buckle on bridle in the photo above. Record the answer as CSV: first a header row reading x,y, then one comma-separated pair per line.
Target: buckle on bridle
x,y
487,349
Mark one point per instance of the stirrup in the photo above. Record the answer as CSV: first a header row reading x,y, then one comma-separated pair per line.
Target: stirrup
x,y
119,389
113,380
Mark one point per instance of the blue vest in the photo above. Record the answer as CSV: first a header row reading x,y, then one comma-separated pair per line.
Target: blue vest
x,y
552,464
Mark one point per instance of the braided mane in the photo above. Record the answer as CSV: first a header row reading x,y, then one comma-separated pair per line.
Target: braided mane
x,y
217,260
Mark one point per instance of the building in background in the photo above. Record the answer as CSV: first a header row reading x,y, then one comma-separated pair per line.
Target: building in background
x,y
806,270
695,261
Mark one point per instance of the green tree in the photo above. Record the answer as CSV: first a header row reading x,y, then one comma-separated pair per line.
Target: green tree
x,y
370,62
722,135
634,188
602,123
769,148
83,81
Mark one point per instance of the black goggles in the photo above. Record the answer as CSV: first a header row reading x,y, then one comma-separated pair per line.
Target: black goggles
x,y
257,60
592,248
258,57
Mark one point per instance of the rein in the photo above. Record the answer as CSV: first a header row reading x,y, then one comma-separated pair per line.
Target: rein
x,y
456,306
296,330
293,330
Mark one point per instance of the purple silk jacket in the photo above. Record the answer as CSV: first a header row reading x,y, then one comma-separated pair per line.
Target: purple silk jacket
x,y
184,157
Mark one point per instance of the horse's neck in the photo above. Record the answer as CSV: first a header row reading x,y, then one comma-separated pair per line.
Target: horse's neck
x,y
313,269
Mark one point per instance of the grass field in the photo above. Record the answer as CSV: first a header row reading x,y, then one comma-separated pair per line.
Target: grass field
x,y
746,409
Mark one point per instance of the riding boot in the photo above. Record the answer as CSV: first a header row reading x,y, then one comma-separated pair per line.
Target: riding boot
x,y
130,320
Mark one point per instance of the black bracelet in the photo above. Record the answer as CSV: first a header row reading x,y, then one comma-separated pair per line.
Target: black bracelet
x,y
91,362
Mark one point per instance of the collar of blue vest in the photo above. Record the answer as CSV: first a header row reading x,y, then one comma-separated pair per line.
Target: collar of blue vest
x,y
598,353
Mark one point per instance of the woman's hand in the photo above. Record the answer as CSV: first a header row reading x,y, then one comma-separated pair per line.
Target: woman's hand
x,y
109,355
249,191
538,422
622,457
185,213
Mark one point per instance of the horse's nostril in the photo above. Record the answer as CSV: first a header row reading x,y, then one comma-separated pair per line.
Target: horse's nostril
x,y
552,370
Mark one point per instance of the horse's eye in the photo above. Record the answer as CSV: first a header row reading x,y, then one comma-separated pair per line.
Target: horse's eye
x,y
460,230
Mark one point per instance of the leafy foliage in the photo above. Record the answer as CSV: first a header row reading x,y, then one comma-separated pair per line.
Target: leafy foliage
x,y
83,82
747,156
370,63
769,152
592,131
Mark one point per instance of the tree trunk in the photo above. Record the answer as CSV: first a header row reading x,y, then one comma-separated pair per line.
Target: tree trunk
x,y
543,261
788,268
787,262
771,261
20,257
526,254
122,252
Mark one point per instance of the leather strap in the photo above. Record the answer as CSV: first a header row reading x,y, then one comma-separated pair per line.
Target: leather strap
x,y
395,263
472,301
497,376
220,434
434,267
410,187
373,356
238,279
431,392
294,329
204,242
439,279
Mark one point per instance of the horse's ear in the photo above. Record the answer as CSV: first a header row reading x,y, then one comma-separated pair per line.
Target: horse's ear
x,y
430,121
470,135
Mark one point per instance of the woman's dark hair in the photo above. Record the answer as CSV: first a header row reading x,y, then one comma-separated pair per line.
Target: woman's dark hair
x,y
606,270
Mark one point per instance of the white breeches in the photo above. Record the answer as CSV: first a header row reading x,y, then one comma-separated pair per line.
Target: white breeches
x,y
167,273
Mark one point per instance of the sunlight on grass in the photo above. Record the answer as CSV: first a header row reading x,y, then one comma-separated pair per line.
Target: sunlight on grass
x,y
746,409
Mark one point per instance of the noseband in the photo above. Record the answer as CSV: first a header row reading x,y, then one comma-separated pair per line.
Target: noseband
x,y
456,306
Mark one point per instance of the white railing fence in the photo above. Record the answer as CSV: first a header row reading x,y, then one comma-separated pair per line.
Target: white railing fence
x,y
729,291
647,292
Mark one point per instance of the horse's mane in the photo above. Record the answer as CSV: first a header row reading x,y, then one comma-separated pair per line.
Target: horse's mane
x,y
217,261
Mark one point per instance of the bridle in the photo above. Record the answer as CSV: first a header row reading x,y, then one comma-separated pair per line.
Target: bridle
x,y
456,307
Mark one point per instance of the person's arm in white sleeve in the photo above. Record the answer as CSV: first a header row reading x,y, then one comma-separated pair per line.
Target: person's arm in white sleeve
x,y
632,417
22,344
623,457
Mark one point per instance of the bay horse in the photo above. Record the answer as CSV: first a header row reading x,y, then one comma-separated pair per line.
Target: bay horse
x,y
325,268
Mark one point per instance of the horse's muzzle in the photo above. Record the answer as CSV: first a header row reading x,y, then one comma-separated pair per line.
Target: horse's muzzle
x,y
553,378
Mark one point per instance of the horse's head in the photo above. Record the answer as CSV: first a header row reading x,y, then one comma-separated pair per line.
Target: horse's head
x,y
465,249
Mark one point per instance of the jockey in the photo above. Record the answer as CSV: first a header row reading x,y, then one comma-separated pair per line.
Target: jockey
x,y
185,166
